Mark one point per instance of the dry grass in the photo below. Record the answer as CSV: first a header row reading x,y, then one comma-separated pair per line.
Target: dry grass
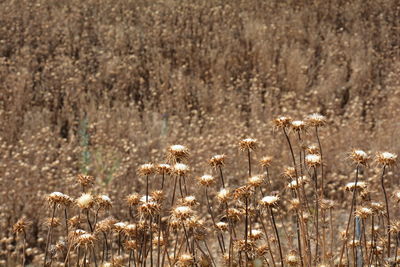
x,y
101,87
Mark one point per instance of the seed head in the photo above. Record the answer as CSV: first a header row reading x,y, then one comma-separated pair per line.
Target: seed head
x,y
85,240
363,212
223,195
292,259
119,226
351,186
164,168
146,169
176,153
313,160
255,234
133,199
185,259
104,202
74,221
242,192
282,122
316,120
377,207
52,222
105,225
131,245
248,143
217,160
189,201
85,180
130,230
266,161
244,246
312,149
289,172
59,199
298,126
149,207
21,225
206,180
269,201
360,157
255,181
180,169
157,196
85,201
222,226
182,212
386,158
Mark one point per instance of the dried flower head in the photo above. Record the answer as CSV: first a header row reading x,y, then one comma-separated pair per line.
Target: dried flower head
x,y
21,225
176,153
119,226
242,192
269,201
157,196
248,143
377,207
85,201
180,169
85,180
217,160
185,259
386,158
360,157
363,212
52,222
255,234
222,226
117,261
146,169
131,245
298,126
255,181
266,161
182,212
316,120
189,201
206,180
133,199
223,195
312,149
289,172
105,225
292,259
282,122
164,168
360,186
313,160
149,207
104,202
59,198
242,245
74,221
85,240
130,230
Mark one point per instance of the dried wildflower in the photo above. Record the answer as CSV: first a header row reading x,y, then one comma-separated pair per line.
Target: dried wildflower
x,y
242,192
377,207
326,204
52,222
163,168
130,230
131,245
298,126
292,259
217,160
189,201
133,199
289,172
312,149
105,225
294,204
117,261
182,212
104,202
158,241
146,169
85,240
85,180
269,201
351,186
185,259
180,169
248,143
222,226
360,157
363,212
59,198
255,234
386,158
119,226
316,120
243,246
21,225
262,250
282,122
234,214
176,153
85,201
395,227
223,195
206,180
266,161
396,195
149,207
255,181
313,160
74,221
157,196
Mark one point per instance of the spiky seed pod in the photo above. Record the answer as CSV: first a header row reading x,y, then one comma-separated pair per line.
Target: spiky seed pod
x,y
131,245
133,199
149,208
182,212
282,122
313,149
316,120
21,225
177,153
163,168
292,259
105,225
146,169
189,201
59,199
268,201
360,186
217,160
180,169
206,180
222,226
298,125
360,157
106,264
386,158
255,181
85,240
289,172
313,160
242,192
266,161
248,143
223,195
85,201
52,222
363,212
85,180
104,202
255,234
185,259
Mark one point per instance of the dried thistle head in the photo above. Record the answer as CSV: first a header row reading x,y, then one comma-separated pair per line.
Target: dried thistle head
x,y
223,195
395,227
298,125
85,240
217,160
59,199
255,181
386,158
327,204
182,212
266,161
149,207
104,202
74,221
316,120
248,143
133,199
255,234
158,196
377,207
360,157
262,250
243,246
163,168
85,201
130,230
146,169
52,222
85,180
292,259
313,149
131,245
105,225
177,153
242,192
206,180
119,227
222,226
294,204
189,201
180,169
185,259
363,212
282,122
313,160
352,185
21,225
269,201
117,261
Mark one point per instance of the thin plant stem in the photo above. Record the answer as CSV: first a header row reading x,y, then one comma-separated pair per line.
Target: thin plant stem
x,y
387,209
49,234
277,235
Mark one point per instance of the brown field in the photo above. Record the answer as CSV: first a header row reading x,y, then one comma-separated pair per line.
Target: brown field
x,y
94,89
